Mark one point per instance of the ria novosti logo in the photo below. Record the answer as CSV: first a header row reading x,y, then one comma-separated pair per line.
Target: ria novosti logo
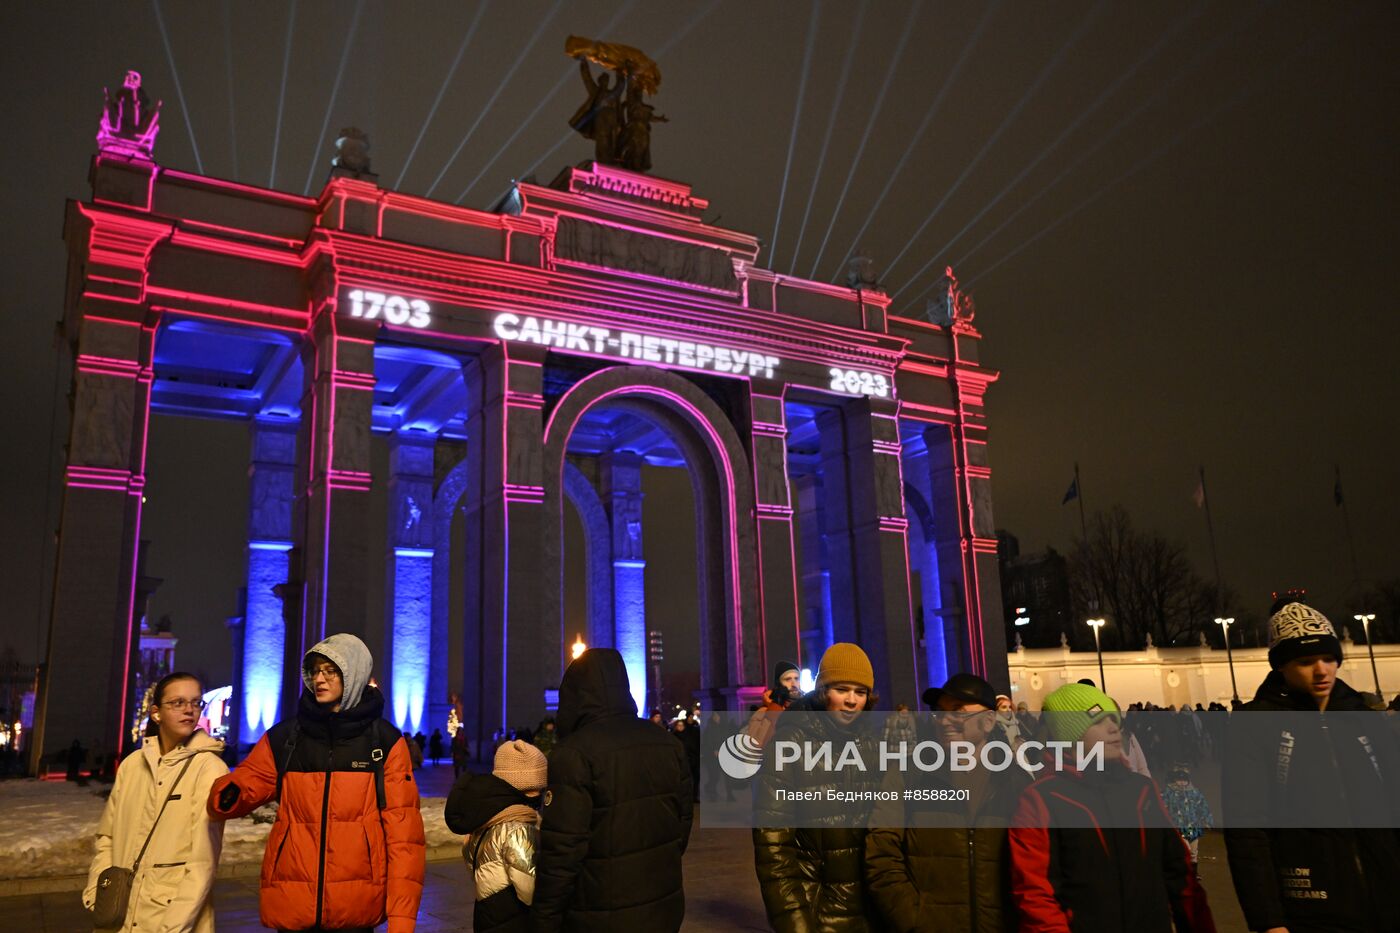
x,y
740,756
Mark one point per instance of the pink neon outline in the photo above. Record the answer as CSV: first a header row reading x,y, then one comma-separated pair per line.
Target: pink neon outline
x,y
701,422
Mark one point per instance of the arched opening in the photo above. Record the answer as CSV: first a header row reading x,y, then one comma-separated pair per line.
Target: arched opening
x,y
609,433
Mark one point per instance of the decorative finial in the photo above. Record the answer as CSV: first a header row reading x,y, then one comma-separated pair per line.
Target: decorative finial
x,y
352,153
949,305
129,122
1064,640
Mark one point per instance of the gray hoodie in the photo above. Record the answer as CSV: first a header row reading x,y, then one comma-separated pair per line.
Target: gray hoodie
x,y
349,654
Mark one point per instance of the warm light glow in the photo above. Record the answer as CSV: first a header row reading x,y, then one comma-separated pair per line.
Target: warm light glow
x,y
1365,620
1095,624
805,681
1226,622
579,647
1021,617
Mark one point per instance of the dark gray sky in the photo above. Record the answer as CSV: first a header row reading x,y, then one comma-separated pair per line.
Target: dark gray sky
x,y
1179,223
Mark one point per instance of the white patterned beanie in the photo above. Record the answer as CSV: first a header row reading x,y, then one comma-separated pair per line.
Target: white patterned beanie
x,y
1298,630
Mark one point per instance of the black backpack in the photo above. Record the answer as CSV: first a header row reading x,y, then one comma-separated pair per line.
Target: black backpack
x,y
382,739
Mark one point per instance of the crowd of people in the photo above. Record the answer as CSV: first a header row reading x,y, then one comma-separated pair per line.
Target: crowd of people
x,y
583,823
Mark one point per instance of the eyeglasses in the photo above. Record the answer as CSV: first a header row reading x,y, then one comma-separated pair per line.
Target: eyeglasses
x,y
182,703
326,671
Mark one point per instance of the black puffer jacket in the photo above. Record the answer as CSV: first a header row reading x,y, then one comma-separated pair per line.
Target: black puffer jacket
x,y
813,879
617,812
1341,880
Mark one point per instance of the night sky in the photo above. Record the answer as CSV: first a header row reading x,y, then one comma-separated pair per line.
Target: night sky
x,y
1179,223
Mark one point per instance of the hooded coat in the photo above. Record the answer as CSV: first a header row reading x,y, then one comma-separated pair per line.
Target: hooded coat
x,y
617,813
335,858
500,856
170,891
1342,880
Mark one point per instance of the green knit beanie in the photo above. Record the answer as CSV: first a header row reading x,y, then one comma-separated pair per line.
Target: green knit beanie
x,y
1074,708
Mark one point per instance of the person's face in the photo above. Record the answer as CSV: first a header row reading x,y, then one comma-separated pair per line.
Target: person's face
x,y
178,713
789,680
1106,731
680,725
327,683
962,721
549,727
1003,705
846,700
656,718
1314,674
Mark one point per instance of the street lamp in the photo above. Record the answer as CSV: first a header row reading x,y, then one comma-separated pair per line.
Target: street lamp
x,y
579,647
1365,619
1097,624
1230,656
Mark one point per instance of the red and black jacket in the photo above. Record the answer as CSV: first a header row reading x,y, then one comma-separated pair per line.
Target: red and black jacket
x,y
1096,851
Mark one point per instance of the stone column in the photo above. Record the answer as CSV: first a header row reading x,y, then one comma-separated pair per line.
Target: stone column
x,y
234,710
92,643
510,656
815,571
866,540
777,577
444,666
271,495
334,463
622,497
408,591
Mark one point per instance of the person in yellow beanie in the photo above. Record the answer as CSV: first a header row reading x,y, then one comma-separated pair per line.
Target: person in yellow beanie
x,y
814,878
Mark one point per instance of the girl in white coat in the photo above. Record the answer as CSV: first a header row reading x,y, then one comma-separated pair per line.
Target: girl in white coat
x,y
171,888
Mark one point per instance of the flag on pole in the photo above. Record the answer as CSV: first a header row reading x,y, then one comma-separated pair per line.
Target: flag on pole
x,y
1072,492
1200,494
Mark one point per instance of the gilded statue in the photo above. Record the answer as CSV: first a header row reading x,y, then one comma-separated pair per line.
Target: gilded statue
x,y
616,115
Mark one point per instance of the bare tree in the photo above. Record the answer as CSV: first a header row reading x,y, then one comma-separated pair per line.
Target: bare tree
x,y
1142,583
1383,599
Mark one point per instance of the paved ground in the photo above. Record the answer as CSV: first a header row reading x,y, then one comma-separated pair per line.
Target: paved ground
x,y
721,893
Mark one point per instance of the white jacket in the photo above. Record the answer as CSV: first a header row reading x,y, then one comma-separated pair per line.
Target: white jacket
x,y
170,893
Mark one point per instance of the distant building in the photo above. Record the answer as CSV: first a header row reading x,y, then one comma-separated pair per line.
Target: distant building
x,y
1034,594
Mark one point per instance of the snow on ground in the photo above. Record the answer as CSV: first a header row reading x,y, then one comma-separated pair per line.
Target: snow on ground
x,y
47,828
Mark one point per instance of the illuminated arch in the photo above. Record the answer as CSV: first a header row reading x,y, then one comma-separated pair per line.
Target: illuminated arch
x,y
731,650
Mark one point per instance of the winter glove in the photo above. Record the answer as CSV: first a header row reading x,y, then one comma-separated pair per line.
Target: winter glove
x,y
228,796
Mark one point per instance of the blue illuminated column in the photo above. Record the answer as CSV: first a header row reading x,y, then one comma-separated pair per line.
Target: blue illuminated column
x,y
622,496
408,592
777,574
271,495
817,634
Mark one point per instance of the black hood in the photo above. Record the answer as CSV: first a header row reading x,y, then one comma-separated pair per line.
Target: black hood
x,y
1275,694
319,722
594,687
475,798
